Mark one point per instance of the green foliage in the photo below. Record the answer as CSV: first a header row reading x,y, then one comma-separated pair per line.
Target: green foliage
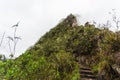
x,y
58,66
54,56
2,70
65,65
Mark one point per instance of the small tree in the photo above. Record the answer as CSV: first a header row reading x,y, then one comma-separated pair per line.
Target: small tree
x,y
13,39
116,20
2,39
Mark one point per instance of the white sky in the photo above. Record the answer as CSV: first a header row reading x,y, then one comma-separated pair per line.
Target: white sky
x,y
39,16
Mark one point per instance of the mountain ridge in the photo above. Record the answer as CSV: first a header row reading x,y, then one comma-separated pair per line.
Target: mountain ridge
x,y
59,53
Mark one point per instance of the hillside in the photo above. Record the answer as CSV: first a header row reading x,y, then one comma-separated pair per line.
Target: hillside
x,y
59,54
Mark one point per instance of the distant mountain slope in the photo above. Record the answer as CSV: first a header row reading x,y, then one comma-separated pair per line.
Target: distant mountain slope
x,y
59,53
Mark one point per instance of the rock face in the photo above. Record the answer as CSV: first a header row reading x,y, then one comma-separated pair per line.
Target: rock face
x,y
116,68
71,20
117,58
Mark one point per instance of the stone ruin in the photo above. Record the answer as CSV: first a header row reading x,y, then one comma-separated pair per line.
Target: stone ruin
x,y
71,20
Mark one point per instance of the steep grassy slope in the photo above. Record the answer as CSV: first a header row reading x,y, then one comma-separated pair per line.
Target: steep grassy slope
x,y
48,58
58,54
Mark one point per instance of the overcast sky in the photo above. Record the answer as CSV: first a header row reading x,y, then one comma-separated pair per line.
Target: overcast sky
x,y
39,16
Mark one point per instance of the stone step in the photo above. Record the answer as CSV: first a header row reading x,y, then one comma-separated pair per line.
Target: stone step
x,y
82,68
87,79
87,76
87,72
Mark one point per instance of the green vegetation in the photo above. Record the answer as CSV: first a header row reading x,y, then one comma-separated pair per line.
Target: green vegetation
x,y
61,51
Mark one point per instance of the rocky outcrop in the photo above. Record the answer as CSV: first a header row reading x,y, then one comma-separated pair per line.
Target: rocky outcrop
x,y
117,58
116,68
71,20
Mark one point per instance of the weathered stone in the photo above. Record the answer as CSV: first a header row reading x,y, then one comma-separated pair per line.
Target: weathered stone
x,y
117,58
101,75
116,68
71,20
